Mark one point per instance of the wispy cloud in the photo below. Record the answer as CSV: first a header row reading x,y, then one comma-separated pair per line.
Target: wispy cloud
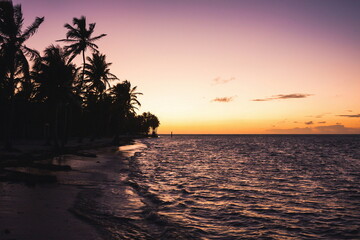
x,y
283,96
339,128
219,80
309,123
350,115
223,99
319,115
330,129
296,130
323,122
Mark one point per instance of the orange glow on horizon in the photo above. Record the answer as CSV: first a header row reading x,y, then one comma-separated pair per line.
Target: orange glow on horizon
x,y
173,53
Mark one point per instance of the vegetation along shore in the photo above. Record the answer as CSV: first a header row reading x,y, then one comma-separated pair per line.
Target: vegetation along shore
x,y
49,99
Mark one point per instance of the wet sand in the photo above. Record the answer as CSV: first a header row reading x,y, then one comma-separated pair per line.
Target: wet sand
x,y
43,210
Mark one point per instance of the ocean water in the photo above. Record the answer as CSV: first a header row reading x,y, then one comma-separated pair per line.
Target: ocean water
x,y
228,187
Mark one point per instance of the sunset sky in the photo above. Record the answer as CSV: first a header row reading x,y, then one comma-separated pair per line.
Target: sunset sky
x,y
226,66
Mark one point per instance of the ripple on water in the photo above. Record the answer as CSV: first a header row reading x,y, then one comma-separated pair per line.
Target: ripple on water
x,y
252,187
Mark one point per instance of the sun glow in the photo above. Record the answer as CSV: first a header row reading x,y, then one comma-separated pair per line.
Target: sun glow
x,y
175,52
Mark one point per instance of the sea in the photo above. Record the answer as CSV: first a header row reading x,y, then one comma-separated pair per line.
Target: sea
x,y
224,187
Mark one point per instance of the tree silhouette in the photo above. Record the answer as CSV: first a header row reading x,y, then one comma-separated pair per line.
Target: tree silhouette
x,y
56,77
125,97
150,121
125,103
154,124
97,73
97,80
13,52
56,98
79,37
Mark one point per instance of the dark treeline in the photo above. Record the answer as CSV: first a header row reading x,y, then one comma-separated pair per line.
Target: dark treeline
x,y
46,96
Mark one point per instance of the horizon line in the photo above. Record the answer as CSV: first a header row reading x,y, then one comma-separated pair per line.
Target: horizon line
x,y
257,134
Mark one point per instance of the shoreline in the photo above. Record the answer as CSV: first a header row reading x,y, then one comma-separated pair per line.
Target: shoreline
x,y
33,208
28,154
33,150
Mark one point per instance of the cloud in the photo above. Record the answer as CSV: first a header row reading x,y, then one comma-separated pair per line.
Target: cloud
x,y
309,123
330,129
296,130
319,115
219,80
223,99
283,96
323,122
350,115
334,129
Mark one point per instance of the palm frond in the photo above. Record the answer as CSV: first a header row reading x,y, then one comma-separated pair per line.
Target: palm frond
x,y
69,27
31,53
31,30
18,18
66,40
98,37
24,65
91,27
92,45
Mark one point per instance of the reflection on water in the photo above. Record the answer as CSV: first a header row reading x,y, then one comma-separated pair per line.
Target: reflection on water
x,y
130,150
231,187
221,187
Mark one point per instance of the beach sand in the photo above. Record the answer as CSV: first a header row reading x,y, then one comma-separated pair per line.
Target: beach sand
x,y
32,209
41,212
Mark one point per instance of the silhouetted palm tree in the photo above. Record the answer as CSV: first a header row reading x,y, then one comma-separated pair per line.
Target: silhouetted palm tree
x,y
124,104
150,121
79,38
97,73
125,97
97,80
13,52
154,124
56,77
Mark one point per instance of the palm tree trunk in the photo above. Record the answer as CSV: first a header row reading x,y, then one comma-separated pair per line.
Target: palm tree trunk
x,y
56,127
83,70
65,127
81,126
10,115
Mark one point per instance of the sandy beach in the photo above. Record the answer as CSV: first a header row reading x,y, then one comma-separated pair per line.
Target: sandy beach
x,y
41,212
44,210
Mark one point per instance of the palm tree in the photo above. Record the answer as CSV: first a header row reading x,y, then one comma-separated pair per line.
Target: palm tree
x,y
97,80
154,124
13,51
125,97
55,77
124,104
98,74
150,121
79,38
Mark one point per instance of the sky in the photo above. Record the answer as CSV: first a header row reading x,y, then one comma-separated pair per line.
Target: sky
x,y
226,66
